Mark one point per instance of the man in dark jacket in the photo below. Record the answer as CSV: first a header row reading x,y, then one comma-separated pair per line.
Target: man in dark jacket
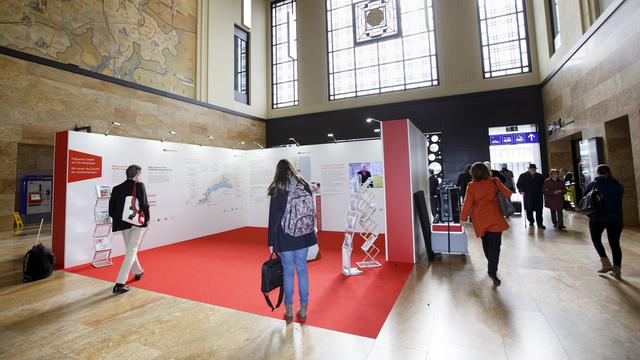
x,y
530,186
434,197
463,180
132,234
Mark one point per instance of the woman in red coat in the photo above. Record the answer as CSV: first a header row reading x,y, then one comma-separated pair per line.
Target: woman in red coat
x,y
481,202
554,190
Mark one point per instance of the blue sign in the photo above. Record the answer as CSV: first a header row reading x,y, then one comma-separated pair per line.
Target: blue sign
x,y
514,139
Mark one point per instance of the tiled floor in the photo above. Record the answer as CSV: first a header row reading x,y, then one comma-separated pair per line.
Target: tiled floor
x,y
552,305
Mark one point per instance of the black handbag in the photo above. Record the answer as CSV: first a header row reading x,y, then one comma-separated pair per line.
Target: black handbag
x,y
592,202
272,278
506,207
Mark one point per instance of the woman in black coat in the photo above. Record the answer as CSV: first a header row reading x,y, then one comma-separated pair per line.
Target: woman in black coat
x,y
608,217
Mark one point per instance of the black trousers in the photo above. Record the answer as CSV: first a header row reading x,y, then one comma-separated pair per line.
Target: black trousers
x,y
491,242
538,216
613,234
556,217
435,205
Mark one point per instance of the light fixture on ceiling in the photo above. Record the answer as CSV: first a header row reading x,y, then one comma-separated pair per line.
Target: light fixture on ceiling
x,y
260,146
333,137
294,141
114,124
236,145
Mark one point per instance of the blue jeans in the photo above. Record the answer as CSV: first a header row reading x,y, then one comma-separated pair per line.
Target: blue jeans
x,y
299,258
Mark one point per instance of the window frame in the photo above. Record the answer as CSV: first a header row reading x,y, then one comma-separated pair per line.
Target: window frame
x,y
436,80
554,25
296,78
527,40
243,35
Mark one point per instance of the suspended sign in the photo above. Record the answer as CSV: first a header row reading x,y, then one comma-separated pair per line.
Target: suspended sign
x,y
514,139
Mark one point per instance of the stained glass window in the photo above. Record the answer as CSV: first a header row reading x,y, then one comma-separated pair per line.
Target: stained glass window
x,y
377,46
284,54
504,37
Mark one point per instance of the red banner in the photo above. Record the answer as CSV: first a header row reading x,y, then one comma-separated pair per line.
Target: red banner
x,y
83,166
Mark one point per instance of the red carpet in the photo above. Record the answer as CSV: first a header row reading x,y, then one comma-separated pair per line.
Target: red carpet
x,y
224,270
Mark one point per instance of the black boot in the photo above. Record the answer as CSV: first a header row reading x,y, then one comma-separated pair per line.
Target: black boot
x,y
120,288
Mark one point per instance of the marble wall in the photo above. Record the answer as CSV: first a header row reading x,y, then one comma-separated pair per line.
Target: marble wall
x,y
38,100
600,83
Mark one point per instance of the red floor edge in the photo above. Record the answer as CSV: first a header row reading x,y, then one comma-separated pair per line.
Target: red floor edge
x,y
224,270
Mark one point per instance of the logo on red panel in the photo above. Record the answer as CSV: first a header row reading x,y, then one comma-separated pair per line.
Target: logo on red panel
x,y
84,166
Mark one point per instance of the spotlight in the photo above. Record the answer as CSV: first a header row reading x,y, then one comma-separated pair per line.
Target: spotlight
x,y
294,141
369,120
236,145
171,132
333,137
113,125
161,139
210,137
376,130
260,146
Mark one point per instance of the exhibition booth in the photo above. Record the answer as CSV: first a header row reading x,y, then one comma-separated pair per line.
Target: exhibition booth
x,y
209,212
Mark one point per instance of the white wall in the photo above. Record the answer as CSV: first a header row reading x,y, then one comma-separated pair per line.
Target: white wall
x,y
419,181
174,192
215,54
329,166
178,176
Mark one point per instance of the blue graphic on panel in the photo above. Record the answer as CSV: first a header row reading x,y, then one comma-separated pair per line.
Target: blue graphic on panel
x,y
514,139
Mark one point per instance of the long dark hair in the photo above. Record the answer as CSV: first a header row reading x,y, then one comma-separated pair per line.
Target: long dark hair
x,y
281,179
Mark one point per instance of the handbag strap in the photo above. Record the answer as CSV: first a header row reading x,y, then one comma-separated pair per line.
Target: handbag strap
x,y
280,297
133,196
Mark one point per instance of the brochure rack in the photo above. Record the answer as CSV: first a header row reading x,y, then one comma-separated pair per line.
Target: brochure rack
x,y
102,230
361,210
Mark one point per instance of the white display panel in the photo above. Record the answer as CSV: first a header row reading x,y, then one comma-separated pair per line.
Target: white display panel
x,y
327,164
193,191
196,191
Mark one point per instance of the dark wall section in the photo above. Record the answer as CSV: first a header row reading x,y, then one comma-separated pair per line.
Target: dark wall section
x,y
463,120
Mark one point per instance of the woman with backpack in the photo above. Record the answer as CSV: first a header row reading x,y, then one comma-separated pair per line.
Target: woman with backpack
x,y
607,215
292,231
481,202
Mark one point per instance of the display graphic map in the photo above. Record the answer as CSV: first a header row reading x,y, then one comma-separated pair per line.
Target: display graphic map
x,y
149,42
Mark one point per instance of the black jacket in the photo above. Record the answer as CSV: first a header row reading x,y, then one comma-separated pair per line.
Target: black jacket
x,y
497,174
433,186
531,186
613,192
280,240
116,203
463,180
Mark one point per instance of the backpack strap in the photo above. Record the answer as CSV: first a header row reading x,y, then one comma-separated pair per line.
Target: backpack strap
x,y
280,296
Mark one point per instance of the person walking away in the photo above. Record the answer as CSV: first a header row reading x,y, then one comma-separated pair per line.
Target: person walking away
x,y
495,173
132,234
554,190
609,218
292,244
463,180
434,196
530,186
508,175
481,202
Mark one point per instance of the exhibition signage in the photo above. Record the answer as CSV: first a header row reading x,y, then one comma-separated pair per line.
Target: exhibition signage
x,y
83,166
514,139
